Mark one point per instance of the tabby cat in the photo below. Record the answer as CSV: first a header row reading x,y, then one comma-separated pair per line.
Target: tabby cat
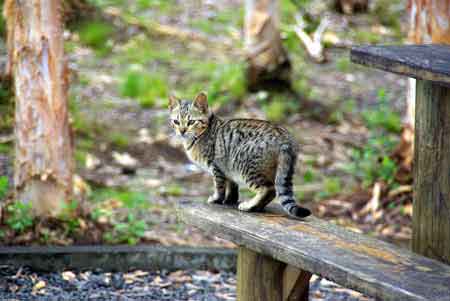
x,y
245,151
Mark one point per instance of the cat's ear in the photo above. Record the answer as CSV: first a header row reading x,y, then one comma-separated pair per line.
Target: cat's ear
x,y
201,102
173,102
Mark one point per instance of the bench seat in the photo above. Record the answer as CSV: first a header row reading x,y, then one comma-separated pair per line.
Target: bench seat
x,y
356,261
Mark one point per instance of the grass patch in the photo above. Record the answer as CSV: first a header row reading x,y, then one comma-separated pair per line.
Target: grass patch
x,y
343,64
96,35
149,89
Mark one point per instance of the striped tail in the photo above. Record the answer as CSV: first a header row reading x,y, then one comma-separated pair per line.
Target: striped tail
x,y
283,182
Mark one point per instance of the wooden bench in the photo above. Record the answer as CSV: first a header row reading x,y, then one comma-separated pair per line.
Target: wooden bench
x,y
277,254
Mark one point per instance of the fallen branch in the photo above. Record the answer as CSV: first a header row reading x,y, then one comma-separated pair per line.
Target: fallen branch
x,y
313,45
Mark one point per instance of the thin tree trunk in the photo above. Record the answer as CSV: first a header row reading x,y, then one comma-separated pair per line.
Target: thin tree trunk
x,y
268,61
43,148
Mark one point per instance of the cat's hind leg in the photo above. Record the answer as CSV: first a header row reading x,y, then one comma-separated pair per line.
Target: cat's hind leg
x,y
264,196
232,193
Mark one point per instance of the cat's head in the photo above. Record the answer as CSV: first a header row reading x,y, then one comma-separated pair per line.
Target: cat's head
x,y
189,119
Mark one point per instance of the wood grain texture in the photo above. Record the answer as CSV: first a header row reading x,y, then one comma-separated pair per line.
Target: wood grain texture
x,y
43,147
428,62
431,215
365,264
295,284
259,277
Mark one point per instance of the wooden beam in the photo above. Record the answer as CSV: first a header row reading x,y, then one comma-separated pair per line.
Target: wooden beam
x,y
431,214
259,277
428,62
295,284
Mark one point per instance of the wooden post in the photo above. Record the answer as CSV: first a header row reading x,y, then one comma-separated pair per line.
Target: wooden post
x,y
431,215
429,65
263,278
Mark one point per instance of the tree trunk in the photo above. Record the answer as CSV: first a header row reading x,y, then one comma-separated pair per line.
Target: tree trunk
x,y
349,7
268,61
43,148
429,23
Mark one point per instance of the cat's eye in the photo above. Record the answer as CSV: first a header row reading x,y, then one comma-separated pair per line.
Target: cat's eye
x,y
191,122
176,122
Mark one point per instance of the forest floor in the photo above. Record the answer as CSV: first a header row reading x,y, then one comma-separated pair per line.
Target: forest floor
x,y
347,118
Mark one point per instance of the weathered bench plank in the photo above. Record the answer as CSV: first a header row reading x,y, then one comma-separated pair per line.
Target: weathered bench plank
x,y
365,264
427,62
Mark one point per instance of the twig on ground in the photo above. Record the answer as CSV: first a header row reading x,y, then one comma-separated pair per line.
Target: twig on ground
x,y
313,45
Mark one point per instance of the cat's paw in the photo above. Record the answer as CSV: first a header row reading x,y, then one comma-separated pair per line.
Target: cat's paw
x,y
246,206
215,199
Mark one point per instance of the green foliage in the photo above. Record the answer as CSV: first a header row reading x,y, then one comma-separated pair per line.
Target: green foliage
x,y
372,162
388,13
129,199
120,140
309,176
343,64
228,82
69,217
367,37
19,217
129,231
4,186
147,88
96,35
278,107
331,186
382,116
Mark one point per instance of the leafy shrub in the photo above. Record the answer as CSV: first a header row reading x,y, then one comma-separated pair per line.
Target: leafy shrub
x,y
19,217
129,231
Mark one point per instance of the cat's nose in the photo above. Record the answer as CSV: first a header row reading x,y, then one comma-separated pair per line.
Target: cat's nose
x,y
182,131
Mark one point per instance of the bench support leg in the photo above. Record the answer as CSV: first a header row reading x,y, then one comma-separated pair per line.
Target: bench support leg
x,y
263,278
431,214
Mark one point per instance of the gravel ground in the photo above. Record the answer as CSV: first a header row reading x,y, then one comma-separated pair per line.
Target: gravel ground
x,y
25,284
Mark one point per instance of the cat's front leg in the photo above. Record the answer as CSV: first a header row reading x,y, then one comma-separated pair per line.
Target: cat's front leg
x,y
219,186
232,194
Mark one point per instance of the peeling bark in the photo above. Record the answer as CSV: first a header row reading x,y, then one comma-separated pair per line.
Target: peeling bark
x,y
268,61
43,148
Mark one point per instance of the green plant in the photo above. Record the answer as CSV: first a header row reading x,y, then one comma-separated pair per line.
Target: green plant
x,y
69,217
19,217
382,116
4,185
96,35
343,64
147,88
331,186
372,162
129,231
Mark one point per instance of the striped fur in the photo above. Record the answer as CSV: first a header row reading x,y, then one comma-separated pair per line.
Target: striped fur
x,y
248,152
